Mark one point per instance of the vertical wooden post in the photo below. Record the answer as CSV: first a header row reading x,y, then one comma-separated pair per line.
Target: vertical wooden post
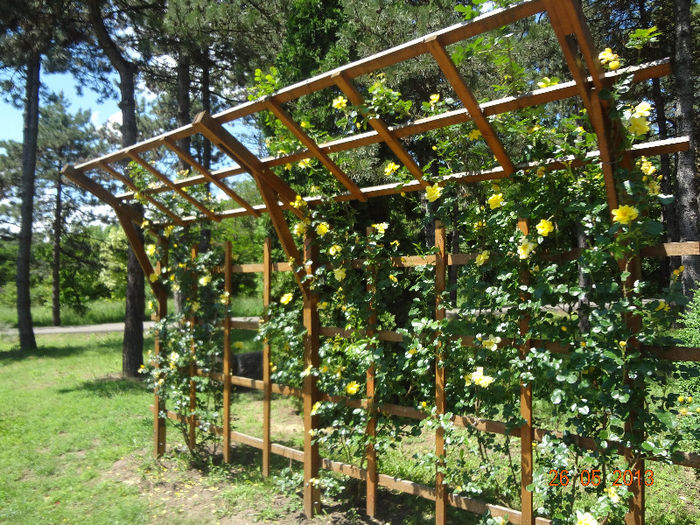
x,y
371,453
191,440
227,356
440,401
526,431
312,459
267,384
158,403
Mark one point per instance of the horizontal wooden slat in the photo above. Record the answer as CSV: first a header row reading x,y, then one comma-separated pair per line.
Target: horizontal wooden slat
x,y
672,249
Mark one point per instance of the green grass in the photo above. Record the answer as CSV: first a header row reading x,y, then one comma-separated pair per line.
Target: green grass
x,y
108,311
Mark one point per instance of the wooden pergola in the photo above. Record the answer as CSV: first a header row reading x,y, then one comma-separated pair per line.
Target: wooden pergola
x,y
587,83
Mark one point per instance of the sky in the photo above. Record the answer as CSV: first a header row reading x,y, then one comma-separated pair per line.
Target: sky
x,y
100,111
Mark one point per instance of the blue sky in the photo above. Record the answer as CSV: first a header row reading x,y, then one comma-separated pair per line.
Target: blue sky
x,y
12,117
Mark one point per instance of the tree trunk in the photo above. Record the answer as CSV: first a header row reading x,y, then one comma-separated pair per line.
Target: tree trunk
x,y
205,238
132,346
687,196
583,304
24,254
56,262
184,82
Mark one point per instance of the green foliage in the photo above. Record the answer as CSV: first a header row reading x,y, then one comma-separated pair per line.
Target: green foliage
x,y
690,319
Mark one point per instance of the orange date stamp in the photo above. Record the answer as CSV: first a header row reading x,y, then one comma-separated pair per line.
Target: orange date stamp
x,y
594,477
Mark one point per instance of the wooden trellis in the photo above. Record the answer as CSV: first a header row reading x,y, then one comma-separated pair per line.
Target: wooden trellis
x,y
588,81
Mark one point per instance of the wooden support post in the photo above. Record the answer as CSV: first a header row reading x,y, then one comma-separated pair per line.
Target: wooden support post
x,y
312,459
371,453
440,401
526,431
158,403
227,356
191,438
267,383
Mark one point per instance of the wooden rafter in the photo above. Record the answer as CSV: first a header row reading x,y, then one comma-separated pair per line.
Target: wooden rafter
x,y
470,103
130,184
219,136
165,180
307,141
382,129
189,159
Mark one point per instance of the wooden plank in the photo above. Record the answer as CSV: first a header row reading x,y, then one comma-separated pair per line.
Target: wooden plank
x,y
536,97
370,384
672,249
526,430
307,141
227,355
382,129
672,353
219,136
440,379
191,436
159,428
312,459
245,325
189,159
129,184
267,382
165,180
470,103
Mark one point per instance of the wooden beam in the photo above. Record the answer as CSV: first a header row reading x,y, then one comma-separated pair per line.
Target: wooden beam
x,y
440,376
226,416
189,159
311,145
165,180
192,419
159,428
130,184
267,381
370,388
470,103
221,138
381,128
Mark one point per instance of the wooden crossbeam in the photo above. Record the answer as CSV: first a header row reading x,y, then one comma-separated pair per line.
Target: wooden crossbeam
x,y
219,136
130,184
189,159
470,103
381,128
311,145
165,180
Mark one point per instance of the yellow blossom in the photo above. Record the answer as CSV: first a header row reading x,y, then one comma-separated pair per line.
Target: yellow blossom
x,y
585,518
153,277
412,351
381,227
643,109
223,298
144,223
299,229
545,227
491,343
579,129
433,193
393,278
681,268
151,250
322,229
479,225
495,201
612,494
478,378
340,102
434,98
205,280
662,306
391,168
195,306
646,166
525,248
546,82
689,399
474,134
683,412
653,188
540,172
614,64
607,55
625,214
286,298
288,166
339,274
681,399
316,408
352,388
638,126
304,163
298,203
482,258
323,305
335,250
305,124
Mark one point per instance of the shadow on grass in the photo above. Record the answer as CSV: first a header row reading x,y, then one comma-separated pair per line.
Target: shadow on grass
x,y
55,351
109,386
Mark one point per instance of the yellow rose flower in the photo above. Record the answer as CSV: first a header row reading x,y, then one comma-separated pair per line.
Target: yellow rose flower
x,y
391,168
286,298
607,55
540,172
434,99
642,109
544,227
205,280
638,126
585,518
323,305
525,248
352,388
482,258
478,378
304,124
491,343
495,201
474,134
322,229
304,163
298,203
681,399
299,229
393,278
335,250
339,274
150,250
625,214
340,102
381,227
153,277
433,193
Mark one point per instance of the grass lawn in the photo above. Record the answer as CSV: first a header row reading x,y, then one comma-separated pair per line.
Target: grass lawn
x,y
76,447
